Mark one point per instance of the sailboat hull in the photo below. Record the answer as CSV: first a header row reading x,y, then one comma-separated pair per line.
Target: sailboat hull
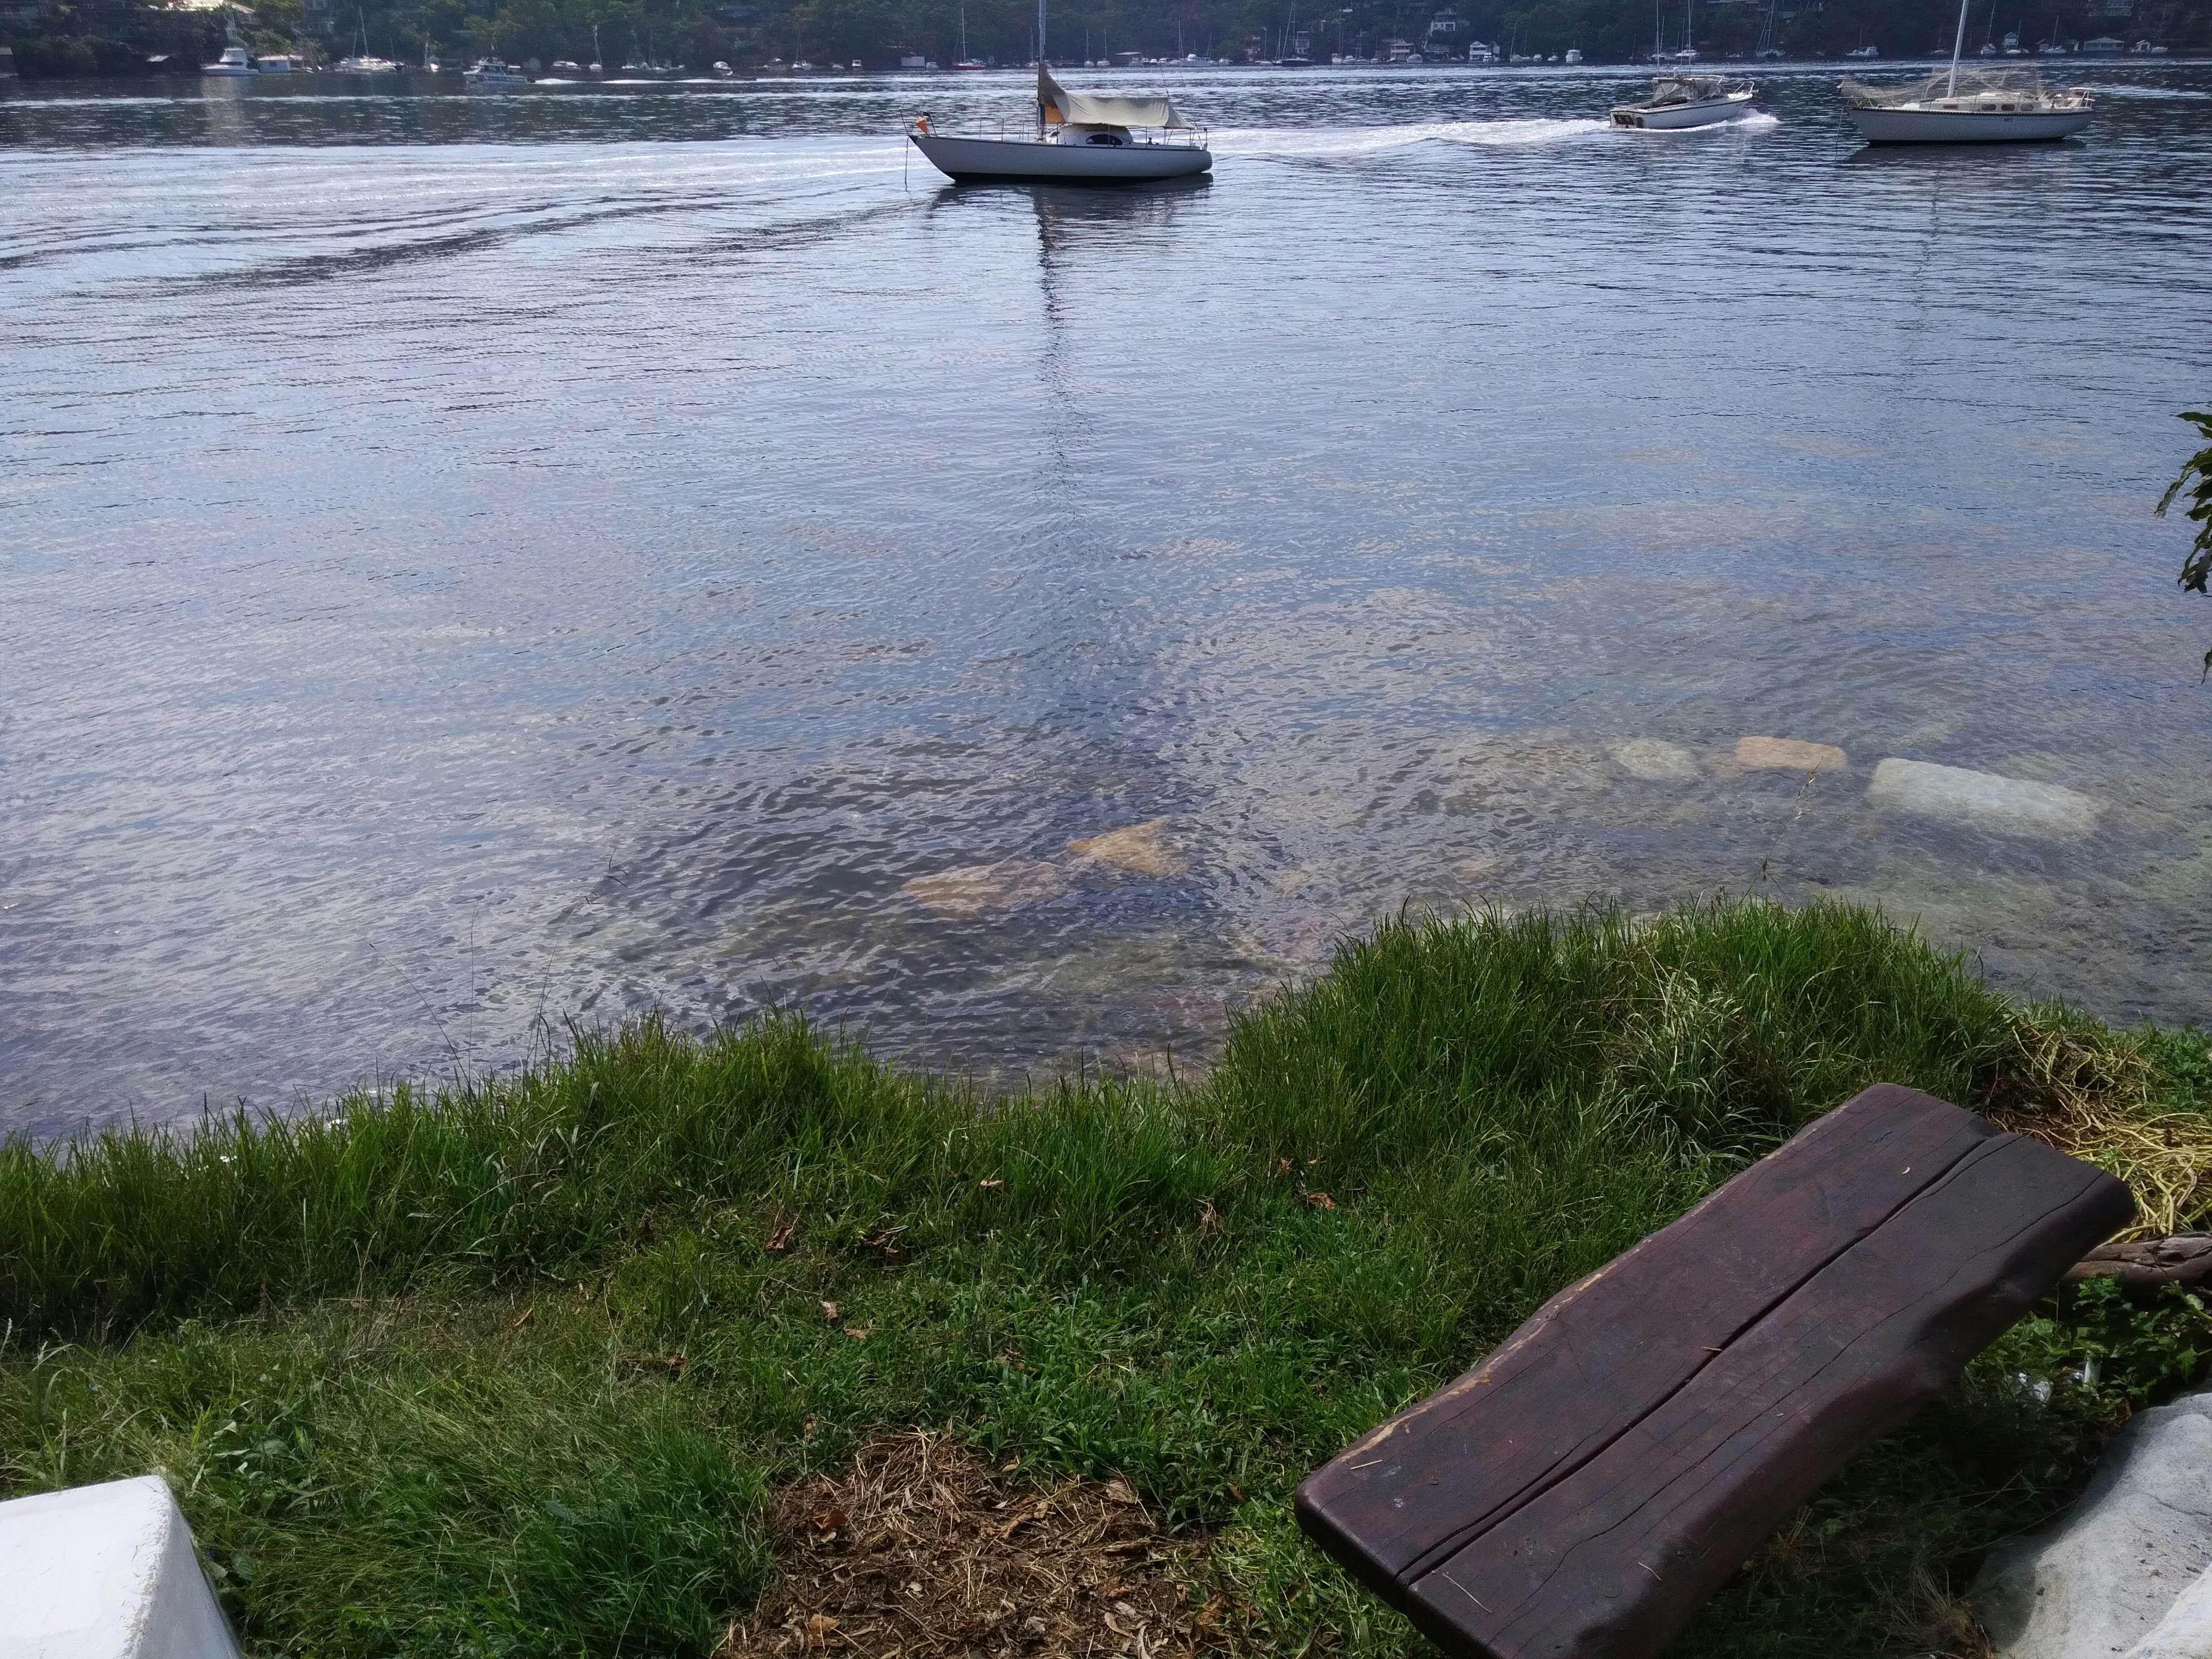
x,y
1013,158
1945,126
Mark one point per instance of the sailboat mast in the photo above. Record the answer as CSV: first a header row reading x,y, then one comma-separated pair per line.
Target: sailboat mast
x,y
1040,32
1958,41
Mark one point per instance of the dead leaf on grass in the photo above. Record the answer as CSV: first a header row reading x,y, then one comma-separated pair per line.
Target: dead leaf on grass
x,y
1320,1200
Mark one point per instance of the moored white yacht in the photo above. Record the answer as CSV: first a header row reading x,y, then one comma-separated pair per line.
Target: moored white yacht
x,y
1081,138
1973,106
1686,100
235,61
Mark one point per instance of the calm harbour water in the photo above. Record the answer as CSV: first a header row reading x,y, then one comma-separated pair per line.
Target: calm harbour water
x,y
468,563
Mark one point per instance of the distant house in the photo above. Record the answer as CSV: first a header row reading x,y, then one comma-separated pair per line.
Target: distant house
x,y
23,11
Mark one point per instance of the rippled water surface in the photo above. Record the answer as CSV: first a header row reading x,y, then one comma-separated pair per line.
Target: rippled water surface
x,y
468,563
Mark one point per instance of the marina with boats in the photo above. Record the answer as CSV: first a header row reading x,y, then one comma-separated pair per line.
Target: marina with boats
x,y
1102,134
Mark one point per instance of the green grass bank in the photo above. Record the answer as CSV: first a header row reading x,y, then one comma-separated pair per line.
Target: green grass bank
x,y
512,1370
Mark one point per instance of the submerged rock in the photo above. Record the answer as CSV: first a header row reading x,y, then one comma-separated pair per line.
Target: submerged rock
x,y
2102,1579
974,889
1140,848
1986,799
1786,755
1655,760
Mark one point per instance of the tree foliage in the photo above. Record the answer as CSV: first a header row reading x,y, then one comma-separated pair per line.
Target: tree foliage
x,y
2196,477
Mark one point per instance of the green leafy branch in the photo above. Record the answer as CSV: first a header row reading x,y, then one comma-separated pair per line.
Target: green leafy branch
x,y
2198,566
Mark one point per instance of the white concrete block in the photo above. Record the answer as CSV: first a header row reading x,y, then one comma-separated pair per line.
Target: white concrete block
x,y
1985,798
104,1573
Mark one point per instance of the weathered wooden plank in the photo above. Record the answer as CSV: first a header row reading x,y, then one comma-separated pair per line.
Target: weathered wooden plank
x,y
1601,1354
1609,1562
1582,1491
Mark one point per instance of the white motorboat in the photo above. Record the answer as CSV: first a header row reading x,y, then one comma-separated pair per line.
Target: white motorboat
x,y
234,62
492,74
1081,138
1686,100
1970,107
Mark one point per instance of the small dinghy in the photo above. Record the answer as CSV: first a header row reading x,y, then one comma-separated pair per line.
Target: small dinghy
x,y
1081,138
1686,100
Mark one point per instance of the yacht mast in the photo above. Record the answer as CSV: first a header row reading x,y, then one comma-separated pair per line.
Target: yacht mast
x,y
1957,42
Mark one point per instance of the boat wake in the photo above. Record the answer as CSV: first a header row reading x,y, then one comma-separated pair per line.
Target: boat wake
x,y
1759,120
2127,91
1375,141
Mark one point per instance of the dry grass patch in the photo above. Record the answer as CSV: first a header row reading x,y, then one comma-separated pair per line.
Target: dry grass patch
x,y
2088,1092
919,1549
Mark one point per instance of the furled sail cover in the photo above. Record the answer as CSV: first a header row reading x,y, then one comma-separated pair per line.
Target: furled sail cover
x,y
1097,110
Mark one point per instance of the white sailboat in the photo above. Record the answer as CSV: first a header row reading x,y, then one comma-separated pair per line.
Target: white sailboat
x,y
1081,138
1978,106
359,62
